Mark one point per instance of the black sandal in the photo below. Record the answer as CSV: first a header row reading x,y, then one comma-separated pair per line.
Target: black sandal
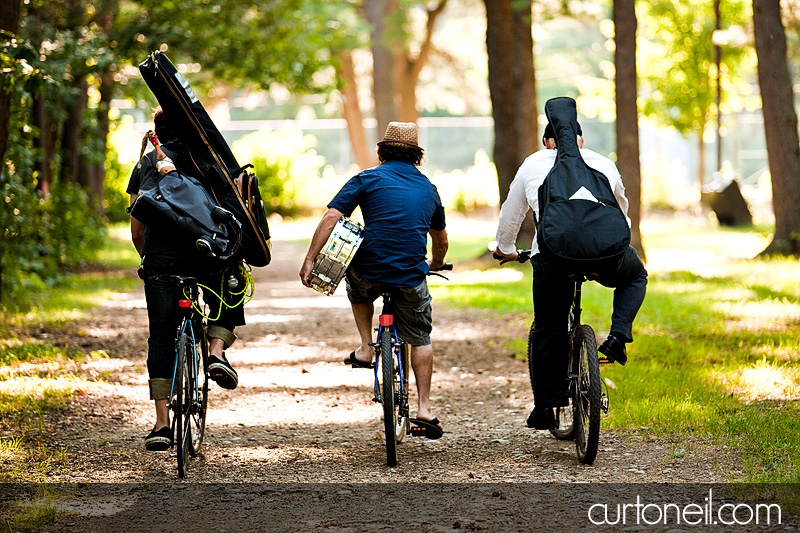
x,y
355,363
430,429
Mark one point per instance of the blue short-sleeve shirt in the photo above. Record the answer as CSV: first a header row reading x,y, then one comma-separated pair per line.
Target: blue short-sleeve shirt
x,y
399,205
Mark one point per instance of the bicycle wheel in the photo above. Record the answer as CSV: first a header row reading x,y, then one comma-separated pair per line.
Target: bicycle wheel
x,y
184,390
387,397
587,394
200,397
401,395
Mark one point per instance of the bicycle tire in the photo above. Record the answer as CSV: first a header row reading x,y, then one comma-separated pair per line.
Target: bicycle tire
x,y
387,397
183,391
401,395
587,394
200,403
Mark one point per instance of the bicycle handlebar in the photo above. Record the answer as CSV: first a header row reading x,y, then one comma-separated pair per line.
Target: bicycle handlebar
x,y
522,255
446,266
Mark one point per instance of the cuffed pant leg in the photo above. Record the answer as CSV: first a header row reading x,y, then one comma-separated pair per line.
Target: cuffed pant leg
x,y
227,336
159,388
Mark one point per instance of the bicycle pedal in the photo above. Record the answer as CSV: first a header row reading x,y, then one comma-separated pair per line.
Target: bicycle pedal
x,y
604,404
604,360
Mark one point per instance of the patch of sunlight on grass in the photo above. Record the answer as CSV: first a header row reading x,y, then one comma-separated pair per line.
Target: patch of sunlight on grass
x,y
30,394
11,449
473,277
778,353
761,315
762,381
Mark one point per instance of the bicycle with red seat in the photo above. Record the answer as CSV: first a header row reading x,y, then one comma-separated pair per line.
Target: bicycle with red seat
x,y
189,392
392,358
586,392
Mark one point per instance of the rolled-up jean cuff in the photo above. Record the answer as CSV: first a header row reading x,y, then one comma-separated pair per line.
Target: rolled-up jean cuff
x,y
159,388
226,335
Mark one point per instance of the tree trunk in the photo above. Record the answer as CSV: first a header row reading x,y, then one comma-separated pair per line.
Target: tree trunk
x,y
364,157
71,137
525,102
499,46
512,87
627,125
9,21
780,126
377,12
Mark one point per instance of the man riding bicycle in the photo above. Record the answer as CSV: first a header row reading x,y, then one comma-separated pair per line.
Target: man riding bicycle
x,y
552,288
163,253
400,207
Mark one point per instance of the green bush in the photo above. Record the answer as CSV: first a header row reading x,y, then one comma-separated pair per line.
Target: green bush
x,y
284,162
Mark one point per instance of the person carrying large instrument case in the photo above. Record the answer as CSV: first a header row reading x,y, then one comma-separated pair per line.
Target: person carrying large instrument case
x,y
232,186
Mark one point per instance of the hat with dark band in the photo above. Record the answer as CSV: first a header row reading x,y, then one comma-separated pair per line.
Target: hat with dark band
x,y
402,134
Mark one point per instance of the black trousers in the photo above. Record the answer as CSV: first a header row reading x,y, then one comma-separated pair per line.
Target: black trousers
x,y
552,297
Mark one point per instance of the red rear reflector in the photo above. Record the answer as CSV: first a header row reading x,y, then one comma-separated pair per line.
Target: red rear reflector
x,y
184,303
386,320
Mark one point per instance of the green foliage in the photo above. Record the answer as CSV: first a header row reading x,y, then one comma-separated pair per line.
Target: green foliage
x,y
677,71
285,163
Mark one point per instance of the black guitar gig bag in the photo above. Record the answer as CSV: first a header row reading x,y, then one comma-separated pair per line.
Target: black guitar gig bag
x,y
211,160
581,227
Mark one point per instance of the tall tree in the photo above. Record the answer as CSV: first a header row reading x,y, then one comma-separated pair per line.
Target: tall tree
x,y
627,125
9,22
396,63
512,86
780,126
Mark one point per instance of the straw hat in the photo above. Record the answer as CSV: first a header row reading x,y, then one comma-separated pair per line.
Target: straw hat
x,y
402,134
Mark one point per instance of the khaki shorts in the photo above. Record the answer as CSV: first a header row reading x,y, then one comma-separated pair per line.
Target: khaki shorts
x,y
412,306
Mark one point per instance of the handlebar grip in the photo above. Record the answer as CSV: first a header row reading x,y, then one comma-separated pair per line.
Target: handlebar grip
x,y
446,266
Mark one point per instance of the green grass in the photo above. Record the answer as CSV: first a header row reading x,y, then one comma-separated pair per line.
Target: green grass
x,y
717,343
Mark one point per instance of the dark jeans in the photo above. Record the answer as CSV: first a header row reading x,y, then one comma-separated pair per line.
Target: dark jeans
x,y
552,297
164,315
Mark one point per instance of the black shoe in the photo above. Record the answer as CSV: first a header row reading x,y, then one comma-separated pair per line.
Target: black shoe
x,y
221,371
541,418
158,441
614,349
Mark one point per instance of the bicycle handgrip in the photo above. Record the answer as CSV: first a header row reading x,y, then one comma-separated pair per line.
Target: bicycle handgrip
x,y
446,266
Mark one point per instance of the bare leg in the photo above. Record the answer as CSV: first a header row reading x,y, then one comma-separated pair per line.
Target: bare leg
x,y
162,414
362,313
422,363
215,347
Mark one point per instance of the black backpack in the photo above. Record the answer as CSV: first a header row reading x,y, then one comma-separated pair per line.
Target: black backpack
x,y
581,227
175,202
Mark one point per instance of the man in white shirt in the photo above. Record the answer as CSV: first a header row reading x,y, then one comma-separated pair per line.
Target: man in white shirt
x,y
552,291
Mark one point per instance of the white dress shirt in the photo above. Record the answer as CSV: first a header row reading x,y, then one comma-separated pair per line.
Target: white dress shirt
x,y
524,193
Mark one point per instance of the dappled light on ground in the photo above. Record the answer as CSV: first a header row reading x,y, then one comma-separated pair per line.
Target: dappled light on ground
x,y
758,316
763,381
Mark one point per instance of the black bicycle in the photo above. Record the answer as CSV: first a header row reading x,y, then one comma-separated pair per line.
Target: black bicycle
x,y
586,392
392,358
189,391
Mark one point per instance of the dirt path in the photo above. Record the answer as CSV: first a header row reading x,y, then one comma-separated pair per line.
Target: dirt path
x,y
299,415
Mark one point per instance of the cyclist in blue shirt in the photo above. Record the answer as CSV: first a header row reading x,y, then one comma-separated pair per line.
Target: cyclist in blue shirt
x,y
400,207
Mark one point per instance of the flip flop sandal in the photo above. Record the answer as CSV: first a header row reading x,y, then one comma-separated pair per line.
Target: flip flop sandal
x,y
426,428
355,363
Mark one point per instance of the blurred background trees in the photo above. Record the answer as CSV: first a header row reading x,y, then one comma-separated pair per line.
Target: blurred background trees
x,y
72,105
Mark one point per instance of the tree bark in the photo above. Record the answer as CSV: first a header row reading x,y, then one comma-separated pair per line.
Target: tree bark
x,y
499,32
71,137
780,126
512,88
364,157
627,126
383,74
9,21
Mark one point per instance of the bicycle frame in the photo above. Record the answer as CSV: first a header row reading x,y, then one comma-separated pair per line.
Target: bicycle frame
x,y
187,326
386,323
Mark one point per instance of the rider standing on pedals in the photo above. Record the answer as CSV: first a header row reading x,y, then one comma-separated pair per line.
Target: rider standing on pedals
x,y
400,207
552,291
165,253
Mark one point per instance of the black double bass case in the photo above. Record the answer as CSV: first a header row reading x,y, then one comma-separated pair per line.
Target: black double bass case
x,y
232,186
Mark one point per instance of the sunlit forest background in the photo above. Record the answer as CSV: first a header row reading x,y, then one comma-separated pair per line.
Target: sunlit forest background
x,y
302,89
